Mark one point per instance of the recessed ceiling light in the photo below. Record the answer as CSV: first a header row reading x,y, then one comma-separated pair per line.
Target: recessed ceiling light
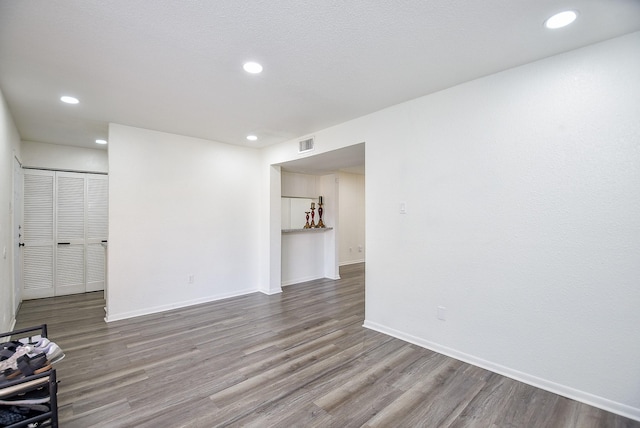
x,y
69,100
252,137
101,141
252,67
561,19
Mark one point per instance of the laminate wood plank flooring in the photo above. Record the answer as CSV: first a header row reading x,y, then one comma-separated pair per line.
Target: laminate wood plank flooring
x,y
297,359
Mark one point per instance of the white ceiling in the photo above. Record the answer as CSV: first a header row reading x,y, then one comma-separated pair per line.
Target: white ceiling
x,y
176,66
348,159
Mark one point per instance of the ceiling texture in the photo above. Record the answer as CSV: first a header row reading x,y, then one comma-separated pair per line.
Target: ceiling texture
x,y
176,66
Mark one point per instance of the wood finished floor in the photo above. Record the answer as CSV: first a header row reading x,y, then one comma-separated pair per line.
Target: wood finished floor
x,y
298,359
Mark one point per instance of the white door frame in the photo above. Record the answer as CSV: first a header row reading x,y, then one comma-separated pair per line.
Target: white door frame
x,y
18,233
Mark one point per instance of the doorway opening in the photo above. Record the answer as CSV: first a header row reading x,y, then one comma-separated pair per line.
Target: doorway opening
x,y
339,177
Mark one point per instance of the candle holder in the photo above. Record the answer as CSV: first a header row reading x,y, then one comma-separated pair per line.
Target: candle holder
x,y
320,223
307,225
313,215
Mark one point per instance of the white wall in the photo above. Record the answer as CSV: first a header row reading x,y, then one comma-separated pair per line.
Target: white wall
x,y
329,191
9,148
64,158
270,230
523,221
179,206
352,219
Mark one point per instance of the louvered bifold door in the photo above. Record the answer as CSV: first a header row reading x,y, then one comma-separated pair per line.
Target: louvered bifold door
x,y
38,254
97,230
70,230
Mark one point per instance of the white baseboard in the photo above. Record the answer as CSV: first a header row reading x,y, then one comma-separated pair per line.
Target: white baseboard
x,y
12,326
177,305
271,292
565,391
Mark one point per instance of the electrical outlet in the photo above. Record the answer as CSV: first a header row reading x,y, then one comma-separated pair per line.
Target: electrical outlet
x,y
442,313
359,248
192,278
403,207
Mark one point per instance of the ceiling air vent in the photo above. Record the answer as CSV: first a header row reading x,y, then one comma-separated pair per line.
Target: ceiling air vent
x,y
305,145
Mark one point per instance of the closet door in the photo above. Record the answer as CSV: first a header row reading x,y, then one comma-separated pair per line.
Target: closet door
x,y
70,228
97,230
65,225
38,250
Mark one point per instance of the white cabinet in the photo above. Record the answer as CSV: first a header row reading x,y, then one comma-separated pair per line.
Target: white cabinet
x,y
299,185
65,222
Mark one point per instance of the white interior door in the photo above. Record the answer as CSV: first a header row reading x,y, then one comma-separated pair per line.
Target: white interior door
x,y
70,233
38,250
